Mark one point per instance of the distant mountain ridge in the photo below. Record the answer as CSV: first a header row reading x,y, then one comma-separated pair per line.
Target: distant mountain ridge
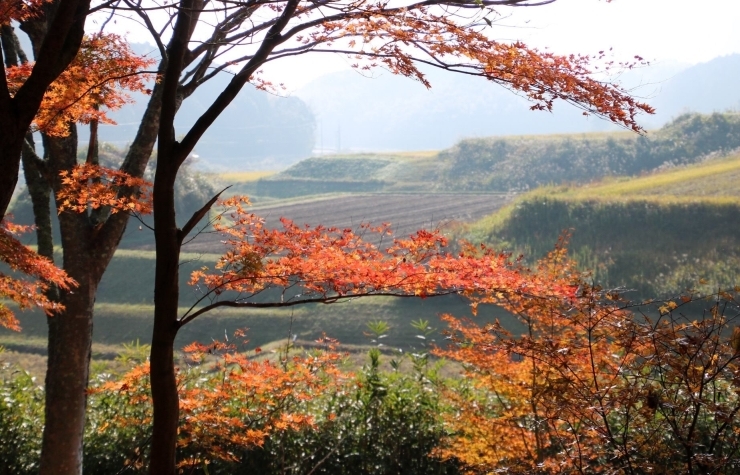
x,y
257,131
386,112
704,88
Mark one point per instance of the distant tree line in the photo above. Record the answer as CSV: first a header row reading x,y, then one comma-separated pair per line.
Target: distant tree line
x,y
524,162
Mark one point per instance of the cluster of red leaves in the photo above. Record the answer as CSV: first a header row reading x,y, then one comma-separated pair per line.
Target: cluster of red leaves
x,y
23,292
19,10
104,68
394,39
328,264
593,388
238,401
93,186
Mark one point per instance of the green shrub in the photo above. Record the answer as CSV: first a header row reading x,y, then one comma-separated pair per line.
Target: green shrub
x,y
21,421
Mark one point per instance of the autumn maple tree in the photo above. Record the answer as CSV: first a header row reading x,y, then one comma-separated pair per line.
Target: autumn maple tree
x,y
58,26
97,80
299,265
597,385
447,34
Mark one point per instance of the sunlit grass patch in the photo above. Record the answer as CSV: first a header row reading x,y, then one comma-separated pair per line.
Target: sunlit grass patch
x,y
243,177
714,182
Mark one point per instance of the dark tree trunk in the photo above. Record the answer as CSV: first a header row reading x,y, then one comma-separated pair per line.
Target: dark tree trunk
x,y
10,154
39,188
170,156
165,399
70,335
166,293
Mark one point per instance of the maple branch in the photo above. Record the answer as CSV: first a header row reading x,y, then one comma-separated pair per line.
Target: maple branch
x,y
110,16
98,85
104,5
291,303
153,31
59,48
198,215
138,216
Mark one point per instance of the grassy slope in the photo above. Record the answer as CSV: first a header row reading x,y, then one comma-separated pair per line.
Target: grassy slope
x,y
365,172
659,233
713,181
527,162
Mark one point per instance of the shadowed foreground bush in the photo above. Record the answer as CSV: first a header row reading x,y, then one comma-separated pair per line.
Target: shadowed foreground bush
x,y
378,422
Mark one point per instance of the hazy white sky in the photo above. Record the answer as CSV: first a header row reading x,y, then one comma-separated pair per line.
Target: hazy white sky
x,y
661,31
683,30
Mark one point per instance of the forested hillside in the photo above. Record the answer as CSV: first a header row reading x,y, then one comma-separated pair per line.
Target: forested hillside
x,y
529,161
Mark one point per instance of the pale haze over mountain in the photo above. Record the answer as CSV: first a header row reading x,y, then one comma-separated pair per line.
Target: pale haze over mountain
x,y
386,112
348,111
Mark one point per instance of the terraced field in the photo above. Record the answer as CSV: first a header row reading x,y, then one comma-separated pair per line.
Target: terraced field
x,y
406,213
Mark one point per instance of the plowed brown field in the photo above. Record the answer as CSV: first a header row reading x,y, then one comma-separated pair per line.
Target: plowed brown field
x,y
406,213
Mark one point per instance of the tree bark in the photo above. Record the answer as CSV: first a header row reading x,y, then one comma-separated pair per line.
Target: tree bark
x,y
70,335
39,188
10,155
70,340
165,399
166,292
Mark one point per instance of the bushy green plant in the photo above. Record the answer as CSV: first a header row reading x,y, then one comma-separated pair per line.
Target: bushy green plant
x,y
21,421
384,422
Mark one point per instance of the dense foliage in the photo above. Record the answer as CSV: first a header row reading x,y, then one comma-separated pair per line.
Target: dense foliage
x,y
373,422
596,385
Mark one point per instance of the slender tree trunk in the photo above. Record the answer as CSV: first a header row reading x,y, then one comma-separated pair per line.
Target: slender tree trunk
x,y
70,340
39,188
70,336
166,293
